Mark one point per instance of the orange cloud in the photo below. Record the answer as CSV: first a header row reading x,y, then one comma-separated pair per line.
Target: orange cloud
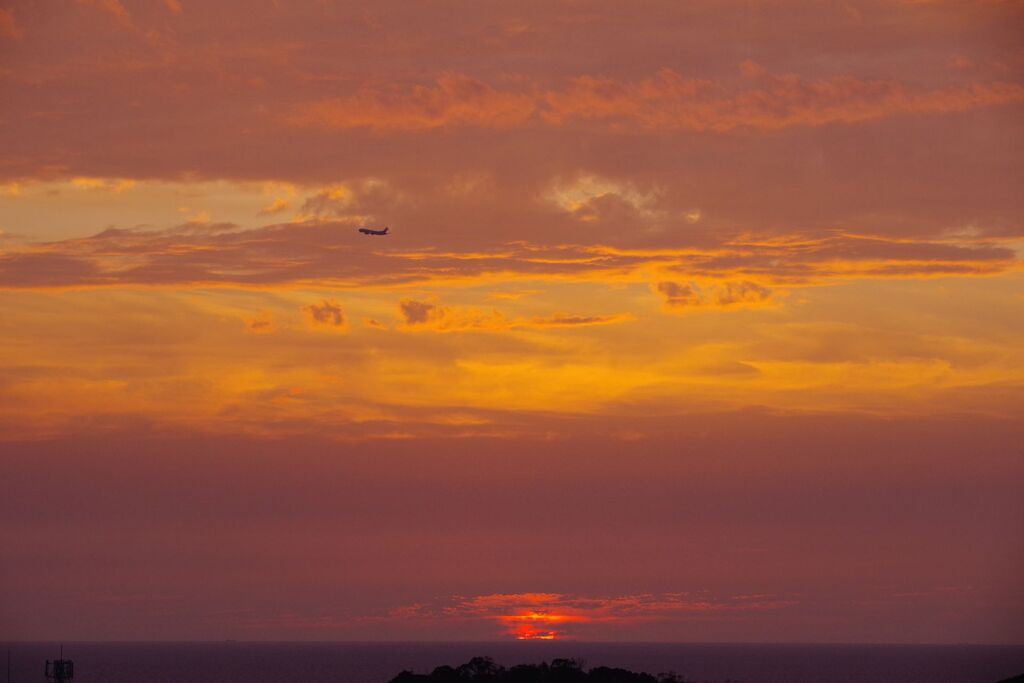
x,y
333,200
533,625
665,101
276,206
761,100
326,314
107,184
261,323
567,320
423,315
551,616
326,252
454,100
723,295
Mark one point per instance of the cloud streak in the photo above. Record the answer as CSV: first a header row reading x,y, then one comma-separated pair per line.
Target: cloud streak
x,y
423,316
330,253
553,616
664,101
453,100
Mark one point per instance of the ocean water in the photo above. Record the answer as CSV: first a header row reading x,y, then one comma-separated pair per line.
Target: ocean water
x,y
231,662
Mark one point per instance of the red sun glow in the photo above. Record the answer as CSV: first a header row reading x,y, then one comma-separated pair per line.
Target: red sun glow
x,y
528,633
536,625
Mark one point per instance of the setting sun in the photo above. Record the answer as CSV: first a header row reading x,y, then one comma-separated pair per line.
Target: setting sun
x,y
474,322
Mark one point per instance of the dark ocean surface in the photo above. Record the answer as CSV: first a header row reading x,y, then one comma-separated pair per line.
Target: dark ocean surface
x,y
231,662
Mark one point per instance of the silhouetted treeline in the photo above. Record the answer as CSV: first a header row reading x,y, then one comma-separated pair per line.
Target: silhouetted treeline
x,y
484,670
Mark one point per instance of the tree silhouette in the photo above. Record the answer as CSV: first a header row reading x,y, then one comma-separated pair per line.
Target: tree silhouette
x,y
484,670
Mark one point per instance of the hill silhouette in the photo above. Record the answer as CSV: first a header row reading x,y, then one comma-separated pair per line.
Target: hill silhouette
x,y
484,670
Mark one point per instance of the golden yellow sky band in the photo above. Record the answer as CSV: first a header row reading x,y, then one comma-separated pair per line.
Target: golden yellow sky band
x,y
693,321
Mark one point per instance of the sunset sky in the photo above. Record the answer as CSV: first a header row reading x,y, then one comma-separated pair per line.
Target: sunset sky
x,y
696,320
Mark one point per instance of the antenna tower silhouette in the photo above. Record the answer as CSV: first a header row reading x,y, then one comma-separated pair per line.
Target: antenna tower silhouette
x,y
60,670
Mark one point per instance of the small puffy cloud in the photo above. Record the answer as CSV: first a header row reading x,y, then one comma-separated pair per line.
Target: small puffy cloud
x,y
326,314
350,201
678,295
721,295
742,292
276,206
591,198
333,200
261,323
423,315
417,312
282,195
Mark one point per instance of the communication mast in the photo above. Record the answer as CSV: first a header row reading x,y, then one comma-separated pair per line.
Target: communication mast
x,y
60,670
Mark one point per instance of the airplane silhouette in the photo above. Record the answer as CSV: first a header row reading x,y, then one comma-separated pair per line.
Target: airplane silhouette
x,y
368,231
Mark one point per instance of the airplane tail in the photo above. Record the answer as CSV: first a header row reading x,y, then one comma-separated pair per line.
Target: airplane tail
x,y
386,228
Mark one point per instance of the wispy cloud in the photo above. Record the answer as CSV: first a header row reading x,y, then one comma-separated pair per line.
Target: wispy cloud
x,y
664,101
743,267
452,100
425,315
552,616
